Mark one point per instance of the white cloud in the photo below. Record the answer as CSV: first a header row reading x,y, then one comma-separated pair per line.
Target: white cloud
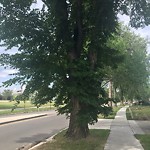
x,y
143,32
38,4
124,18
7,72
11,51
4,76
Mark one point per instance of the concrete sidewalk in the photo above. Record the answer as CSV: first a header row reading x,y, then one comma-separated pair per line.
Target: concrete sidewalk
x,y
121,135
21,117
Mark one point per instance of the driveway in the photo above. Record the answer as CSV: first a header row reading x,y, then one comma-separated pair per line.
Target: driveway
x,y
140,127
145,126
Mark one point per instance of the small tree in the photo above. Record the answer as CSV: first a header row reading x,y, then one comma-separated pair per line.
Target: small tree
x,y
7,94
1,96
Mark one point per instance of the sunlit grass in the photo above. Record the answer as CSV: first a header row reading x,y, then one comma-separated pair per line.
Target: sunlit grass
x,y
112,114
138,113
144,140
95,141
6,107
10,104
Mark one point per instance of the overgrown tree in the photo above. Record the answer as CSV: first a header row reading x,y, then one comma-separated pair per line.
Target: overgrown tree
x,y
65,44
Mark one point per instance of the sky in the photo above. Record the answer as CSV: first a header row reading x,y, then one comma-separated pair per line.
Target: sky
x,y
4,73
143,32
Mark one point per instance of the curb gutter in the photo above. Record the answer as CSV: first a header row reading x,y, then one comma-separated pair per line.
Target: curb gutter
x,y
27,118
34,145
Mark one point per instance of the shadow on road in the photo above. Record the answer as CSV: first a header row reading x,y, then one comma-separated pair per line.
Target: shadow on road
x,y
37,138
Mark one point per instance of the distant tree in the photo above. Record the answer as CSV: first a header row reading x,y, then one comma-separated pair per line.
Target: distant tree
x,y
65,44
7,94
1,96
132,75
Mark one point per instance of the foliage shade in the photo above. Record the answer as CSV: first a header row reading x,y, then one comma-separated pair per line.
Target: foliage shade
x,y
62,51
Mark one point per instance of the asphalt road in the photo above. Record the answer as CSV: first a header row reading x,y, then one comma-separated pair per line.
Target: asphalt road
x,y
16,135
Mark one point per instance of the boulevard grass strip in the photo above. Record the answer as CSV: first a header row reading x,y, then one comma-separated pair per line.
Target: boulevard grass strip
x,y
27,110
144,140
95,141
138,113
112,114
5,104
9,104
27,107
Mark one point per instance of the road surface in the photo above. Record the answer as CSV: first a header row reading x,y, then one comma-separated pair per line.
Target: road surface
x,y
16,135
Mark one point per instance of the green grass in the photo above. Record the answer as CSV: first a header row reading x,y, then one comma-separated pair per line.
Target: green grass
x,y
138,113
112,115
144,140
9,104
5,105
95,141
27,110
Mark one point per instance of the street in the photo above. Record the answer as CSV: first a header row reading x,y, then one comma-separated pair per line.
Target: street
x,y
16,135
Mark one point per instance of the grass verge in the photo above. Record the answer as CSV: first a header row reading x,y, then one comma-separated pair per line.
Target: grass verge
x,y
138,113
5,104
9,104
27,110
27,107
112,115
144,140
95,141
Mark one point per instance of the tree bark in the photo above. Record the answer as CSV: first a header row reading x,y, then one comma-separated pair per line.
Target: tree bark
x,y
76,130
110,93
121,95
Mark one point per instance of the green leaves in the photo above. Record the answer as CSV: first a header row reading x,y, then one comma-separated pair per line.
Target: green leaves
x,y
139,12
67,44
132,74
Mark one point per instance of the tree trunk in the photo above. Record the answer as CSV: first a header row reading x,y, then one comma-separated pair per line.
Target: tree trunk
x,y
121,96
76,130
110,93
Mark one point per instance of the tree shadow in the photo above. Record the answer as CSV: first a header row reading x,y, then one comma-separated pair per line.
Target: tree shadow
x,y
36,138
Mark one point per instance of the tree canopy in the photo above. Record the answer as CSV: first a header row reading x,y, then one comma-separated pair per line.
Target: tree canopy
x,y
7,95
62,51
132,75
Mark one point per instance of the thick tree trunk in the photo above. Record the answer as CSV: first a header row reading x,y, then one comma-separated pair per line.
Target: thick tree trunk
x,y
76,130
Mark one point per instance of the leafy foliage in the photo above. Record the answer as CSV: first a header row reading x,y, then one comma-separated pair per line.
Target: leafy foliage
x,y
132,75
64,45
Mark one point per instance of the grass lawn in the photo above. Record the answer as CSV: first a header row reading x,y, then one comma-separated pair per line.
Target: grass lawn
x,y
138,113
6,105
96,141
9,104
112,115
27,110
144,140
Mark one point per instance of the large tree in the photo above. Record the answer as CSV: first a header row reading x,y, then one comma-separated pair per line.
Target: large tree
x,y
62,51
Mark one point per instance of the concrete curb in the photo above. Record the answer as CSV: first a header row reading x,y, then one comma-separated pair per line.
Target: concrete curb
x,y
32,146
26,118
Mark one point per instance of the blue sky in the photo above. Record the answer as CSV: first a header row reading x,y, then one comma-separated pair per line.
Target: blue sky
x,y
4,73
